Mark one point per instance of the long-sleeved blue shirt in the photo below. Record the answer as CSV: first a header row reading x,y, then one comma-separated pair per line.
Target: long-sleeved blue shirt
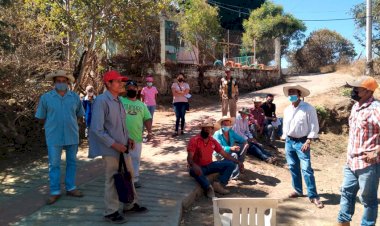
x,y
234,138
107,126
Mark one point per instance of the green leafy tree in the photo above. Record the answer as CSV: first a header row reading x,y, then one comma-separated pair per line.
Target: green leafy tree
x,y
270,22
323,47
359,13
199,25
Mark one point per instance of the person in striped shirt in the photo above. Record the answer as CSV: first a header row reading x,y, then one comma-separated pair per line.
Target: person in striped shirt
x,y
362,170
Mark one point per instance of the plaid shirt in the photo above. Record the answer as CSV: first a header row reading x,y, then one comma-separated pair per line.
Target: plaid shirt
x,y
364,133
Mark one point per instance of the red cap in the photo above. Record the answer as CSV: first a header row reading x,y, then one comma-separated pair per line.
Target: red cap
x,y
113,75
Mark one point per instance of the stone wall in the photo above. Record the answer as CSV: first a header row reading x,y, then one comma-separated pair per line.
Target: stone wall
x,y
205,79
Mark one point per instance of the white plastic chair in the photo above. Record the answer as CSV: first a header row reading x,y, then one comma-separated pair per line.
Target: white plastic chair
x,y
245,211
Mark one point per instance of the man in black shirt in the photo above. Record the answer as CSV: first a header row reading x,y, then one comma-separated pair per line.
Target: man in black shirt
x,y
270,116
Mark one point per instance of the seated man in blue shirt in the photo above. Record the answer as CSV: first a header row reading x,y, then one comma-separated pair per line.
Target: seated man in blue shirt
x,y
231,143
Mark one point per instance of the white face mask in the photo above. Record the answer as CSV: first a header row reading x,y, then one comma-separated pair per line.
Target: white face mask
x,y
149,83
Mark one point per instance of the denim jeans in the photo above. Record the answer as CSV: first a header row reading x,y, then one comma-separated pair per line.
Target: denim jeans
x,y
54,153
151,109
300,161
259,152
224,168
367,182
269,131
180,111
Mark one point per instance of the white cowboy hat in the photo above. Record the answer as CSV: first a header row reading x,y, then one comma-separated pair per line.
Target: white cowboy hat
x,y
257,99
304,92
207,123
61,73
218,124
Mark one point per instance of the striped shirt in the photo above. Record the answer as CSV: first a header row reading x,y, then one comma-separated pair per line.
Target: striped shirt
x,y
364,132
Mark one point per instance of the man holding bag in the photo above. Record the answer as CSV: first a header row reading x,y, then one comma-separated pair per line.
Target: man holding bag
x,y
108,138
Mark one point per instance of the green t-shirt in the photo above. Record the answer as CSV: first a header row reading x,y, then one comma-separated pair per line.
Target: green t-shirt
x,y
137,113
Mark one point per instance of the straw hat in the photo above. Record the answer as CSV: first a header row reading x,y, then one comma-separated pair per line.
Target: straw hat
x,y
207,123
257,100
218,124
60,73
304,92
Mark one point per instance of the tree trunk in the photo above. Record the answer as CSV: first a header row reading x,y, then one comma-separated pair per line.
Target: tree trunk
x,y
277,54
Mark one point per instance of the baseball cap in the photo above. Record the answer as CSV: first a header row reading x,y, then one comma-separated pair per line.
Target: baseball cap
x,y
131,83
113,75
366,82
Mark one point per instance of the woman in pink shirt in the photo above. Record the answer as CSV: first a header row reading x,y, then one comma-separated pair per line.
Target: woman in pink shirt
x,y
180,91
149,95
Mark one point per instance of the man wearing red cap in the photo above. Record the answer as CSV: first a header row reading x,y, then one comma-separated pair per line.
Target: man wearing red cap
x,y
108,137
362,170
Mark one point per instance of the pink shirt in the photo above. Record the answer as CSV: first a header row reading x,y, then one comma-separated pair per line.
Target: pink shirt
x,y
149,95
180,97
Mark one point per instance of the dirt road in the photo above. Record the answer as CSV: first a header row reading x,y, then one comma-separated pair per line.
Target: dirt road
x,y
264,180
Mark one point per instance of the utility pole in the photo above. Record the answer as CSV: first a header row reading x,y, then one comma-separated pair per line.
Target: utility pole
x,y
228,44
254,51
369,62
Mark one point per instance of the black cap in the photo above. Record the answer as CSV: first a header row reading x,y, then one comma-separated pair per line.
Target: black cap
x,y
131,83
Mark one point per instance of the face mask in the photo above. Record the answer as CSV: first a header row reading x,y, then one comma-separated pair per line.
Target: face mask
x,y
180,80
355,95
149,83
226,128
293,98
204,134
131,93
270,101
61,86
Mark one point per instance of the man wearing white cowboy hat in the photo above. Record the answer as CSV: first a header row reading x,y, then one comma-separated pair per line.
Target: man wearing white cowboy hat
x,y
257,117
229,93
87,105
231,142
199,159
60,110
300,128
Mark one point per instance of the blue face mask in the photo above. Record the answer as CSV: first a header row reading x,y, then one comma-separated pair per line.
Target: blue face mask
x,y
293,98
61,86
149,83
226,128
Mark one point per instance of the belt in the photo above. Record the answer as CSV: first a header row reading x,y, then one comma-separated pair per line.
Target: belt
x,y
302,139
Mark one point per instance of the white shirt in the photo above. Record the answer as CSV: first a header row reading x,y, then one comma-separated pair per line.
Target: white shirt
x,y
301,121
241,127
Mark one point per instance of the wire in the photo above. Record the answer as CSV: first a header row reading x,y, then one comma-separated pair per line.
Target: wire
x,y
305,20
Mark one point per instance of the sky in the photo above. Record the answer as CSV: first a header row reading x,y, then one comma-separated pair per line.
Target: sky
x,y
325,9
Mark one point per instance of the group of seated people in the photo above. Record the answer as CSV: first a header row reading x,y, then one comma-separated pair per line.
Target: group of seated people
x,y
228,141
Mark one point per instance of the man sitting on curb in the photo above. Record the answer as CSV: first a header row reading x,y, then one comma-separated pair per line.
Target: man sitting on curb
x,y
241,127
231,142
199,159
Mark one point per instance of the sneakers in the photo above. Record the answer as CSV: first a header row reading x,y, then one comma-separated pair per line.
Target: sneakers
x,y
210,192
219,188
115,218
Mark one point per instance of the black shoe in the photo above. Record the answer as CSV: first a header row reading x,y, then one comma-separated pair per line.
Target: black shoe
x,y
115,218
182,132
136,209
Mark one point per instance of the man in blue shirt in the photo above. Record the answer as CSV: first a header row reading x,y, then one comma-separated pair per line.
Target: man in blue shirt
x,y
231,143
60,109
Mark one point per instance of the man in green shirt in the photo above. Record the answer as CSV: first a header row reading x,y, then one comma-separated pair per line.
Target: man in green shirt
x,y
137,117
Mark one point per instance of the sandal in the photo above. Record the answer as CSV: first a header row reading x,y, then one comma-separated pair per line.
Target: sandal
x,y
115,218
75,193
294,195
136,209
317,203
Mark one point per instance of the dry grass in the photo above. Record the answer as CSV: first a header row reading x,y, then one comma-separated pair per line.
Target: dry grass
x,y
327,69
357,68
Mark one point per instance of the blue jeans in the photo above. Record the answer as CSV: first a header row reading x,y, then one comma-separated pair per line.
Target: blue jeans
x,y
259,152
367,181
151,109
300,161
180,111
54,153
224,168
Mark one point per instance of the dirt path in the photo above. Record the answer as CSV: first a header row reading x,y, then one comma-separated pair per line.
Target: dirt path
x,y
264,180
